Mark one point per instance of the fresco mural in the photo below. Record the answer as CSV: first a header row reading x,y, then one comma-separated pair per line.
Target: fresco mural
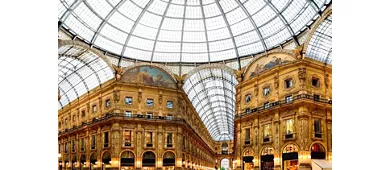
x,y
148,75
268,62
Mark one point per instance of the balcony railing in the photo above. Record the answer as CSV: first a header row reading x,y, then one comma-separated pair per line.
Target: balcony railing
x,y
283,102
120,115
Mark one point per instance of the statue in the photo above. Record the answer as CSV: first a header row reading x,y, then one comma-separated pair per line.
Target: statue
x,y
160,99
276,82
139,97
256,89
180,80
302,76
326,81
116,96
298,52
238,75
118,72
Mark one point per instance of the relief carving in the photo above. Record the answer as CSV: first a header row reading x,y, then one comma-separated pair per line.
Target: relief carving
x,y
276,83
116,96
256,90
302,76
139,97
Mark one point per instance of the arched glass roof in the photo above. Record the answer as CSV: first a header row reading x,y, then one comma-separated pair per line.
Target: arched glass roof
x,y
320,45
212,93
79,71
187,30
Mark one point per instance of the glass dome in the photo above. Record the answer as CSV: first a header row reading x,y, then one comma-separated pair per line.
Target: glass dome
x,y
187,31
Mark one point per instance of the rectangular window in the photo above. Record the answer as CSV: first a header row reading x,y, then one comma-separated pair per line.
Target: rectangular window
x,y
108,103
127,137
266,91
169,104
317,128
66,147
149,115
247,136
129,100
93,142
290,126
83,113
82,144
316,97
169,117
169,140
247,110
149,139
73,145
94,109
289,99
106,137
266,132
288,83
128,113
150,102
266,105
315,82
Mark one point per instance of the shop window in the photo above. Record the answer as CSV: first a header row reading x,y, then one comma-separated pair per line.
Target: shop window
x,y
149,139
316,97
315,82
317,128
169,117
248,98
128,113
129,100
93,142
106,137
94,109
127,137
169,104
289,128
247,136
169,139
266,132
150,102
82,144
83,113
266,105
289,99
108,103
266,91
288,83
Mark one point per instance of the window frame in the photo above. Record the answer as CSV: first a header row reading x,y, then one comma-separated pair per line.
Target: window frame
x,y
130,98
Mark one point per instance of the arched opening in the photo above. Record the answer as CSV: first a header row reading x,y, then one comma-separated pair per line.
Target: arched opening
x,y
247,159
318,151
66,162
106,161
127,160
148,161
267,158
290,157
225,149
74,162
225,163
169,161
93,161
83,162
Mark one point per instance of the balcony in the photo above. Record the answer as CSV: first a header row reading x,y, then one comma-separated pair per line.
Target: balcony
x,y
317,136
289,136
298,97
127,144
265,140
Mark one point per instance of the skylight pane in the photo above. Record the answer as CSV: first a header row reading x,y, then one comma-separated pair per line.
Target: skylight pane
x,y
158,7
146,32
130,10
222,55
175,11
121,22
247,38
100,6
194,47
221,45
169,35
242,27
166,57
218,34
167,47
215,23
172,24
151,20
140,43
228,5
200,57
79,28
109,45
194,36
254,5
138,54
193,25
113,33
193,12
235,16
263,16
211,10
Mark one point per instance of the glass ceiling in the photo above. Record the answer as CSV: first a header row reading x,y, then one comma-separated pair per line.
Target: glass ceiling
x,y
187,30
79,71
212,93
320,45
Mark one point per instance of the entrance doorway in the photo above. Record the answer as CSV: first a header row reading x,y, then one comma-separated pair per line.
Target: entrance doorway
x,y
169,161
148,161
127,160
247,159
290,157
267,158
317,151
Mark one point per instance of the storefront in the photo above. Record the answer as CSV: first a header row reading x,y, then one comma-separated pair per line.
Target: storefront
x,y
93,162
290,157
148,161
127,160
169,161
106,161
83,163
267,159
247,159
74,163
318,151
66,162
